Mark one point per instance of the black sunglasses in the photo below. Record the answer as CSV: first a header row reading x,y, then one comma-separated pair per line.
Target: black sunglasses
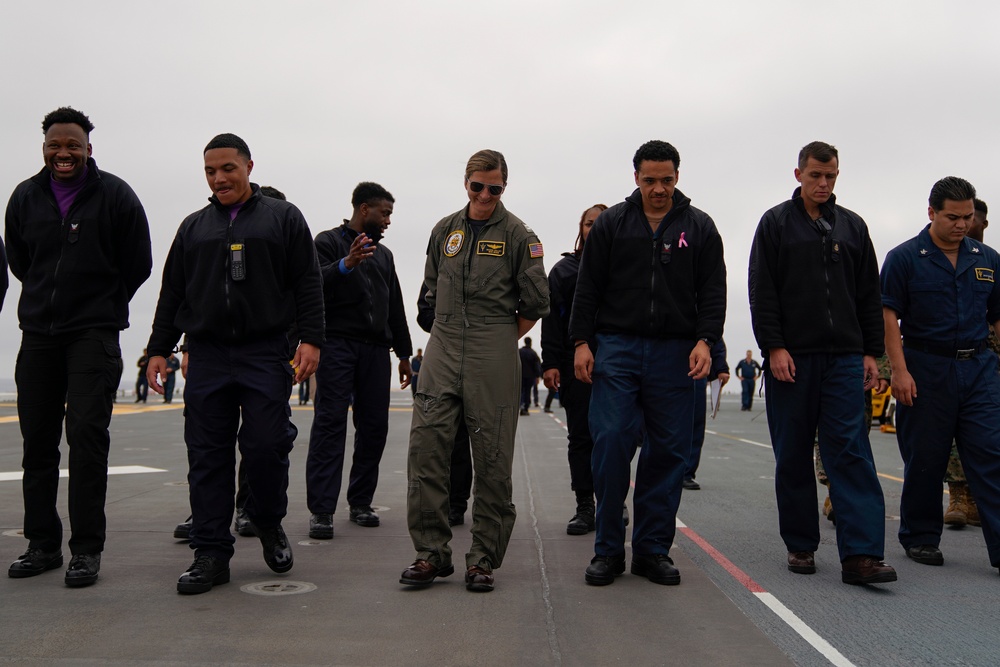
x,y
495,190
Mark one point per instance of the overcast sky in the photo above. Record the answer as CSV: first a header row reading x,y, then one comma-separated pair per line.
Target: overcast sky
x,y
328,94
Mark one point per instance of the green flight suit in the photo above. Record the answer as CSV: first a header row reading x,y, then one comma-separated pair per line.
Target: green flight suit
x,y
477,288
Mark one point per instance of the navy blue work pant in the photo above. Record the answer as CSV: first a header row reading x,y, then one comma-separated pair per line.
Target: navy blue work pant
x,y
640,381
698,434
224,383
73,376
526,386
748,387
960,400
347,367
828,394
575,398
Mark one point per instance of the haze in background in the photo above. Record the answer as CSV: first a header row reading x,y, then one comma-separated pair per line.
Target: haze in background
x,y
330,94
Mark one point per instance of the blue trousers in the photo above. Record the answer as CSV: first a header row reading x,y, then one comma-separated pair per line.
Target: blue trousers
x,y
698,434
748,387
828,393
225,383
346,368
640,381
960,400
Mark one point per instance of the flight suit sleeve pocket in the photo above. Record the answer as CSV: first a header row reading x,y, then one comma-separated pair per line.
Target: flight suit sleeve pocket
x,y
534,294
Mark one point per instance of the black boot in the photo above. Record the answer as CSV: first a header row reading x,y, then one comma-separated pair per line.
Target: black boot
x,y
583,521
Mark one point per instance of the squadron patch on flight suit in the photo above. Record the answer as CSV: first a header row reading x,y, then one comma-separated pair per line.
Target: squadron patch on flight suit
x,y
491,248
985,275
454,243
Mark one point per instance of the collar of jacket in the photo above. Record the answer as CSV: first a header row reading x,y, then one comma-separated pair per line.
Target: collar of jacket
x,y
255,196
681,201
499,213
345,230
44,177
828,209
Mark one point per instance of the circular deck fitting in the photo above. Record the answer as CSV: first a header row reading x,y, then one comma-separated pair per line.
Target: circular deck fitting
x,y
278,588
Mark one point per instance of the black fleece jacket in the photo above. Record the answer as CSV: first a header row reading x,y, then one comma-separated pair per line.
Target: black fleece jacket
x,y
669,286
81,271
367,303
557,346
282,290
813,290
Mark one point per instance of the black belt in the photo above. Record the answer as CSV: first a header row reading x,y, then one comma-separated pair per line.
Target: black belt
x,y
960,354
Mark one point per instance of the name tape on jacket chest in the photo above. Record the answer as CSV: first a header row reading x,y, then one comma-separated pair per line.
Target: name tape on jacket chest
x,y
491,248
986,275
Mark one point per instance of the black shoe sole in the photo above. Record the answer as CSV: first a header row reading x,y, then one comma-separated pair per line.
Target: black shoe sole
x,y
247,531
280,569
603,579
80,582
182,533
599,580
802,569
934,560
669,580
321,534
855,579
24,574
579,530
192,588
367,523
479,588
443,572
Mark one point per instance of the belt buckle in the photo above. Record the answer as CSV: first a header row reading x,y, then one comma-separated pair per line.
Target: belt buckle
x,y
963,355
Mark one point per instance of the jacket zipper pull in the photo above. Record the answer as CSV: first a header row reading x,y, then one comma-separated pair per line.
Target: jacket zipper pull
x,y
464,318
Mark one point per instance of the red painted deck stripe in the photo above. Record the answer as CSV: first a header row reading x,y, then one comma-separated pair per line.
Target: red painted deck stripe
x,y
737,574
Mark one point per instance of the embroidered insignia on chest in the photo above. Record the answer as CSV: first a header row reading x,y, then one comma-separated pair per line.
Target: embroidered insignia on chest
x,y
491,248
923,251
535,250
453,243
975,250
986,275
836,247
73,226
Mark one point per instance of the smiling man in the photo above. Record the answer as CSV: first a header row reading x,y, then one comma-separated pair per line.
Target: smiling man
x,y
78,241
816,312
241,274
650,301
939,292
364,319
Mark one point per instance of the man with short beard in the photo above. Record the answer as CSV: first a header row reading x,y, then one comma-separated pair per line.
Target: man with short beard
x,y
364,319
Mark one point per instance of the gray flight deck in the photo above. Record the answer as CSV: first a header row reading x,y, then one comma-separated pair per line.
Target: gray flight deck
x,y
342,604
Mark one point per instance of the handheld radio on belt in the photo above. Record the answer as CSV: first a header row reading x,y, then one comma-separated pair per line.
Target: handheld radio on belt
x,y
237,261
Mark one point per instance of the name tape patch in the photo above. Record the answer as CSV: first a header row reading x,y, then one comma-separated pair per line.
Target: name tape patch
x,y
491,248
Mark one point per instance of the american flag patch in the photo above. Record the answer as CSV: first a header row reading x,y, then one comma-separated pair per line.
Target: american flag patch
x,y
535,250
